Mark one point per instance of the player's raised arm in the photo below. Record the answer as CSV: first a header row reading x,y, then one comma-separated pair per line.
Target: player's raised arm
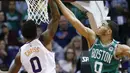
x,y
84,31
16,65
52,27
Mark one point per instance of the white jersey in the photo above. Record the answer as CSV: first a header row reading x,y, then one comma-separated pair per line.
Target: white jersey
x,y
35,58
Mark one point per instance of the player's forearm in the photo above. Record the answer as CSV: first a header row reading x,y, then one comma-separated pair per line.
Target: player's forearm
x,y
92,21
126,50
54,9
55,18
53,25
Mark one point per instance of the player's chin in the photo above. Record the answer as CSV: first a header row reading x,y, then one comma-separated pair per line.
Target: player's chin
x,y
100,34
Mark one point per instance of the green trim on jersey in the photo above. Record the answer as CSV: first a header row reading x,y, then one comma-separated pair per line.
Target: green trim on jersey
x,y
101,57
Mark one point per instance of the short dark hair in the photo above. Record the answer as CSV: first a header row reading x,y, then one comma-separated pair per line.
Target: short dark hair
x,y
115,29
29,30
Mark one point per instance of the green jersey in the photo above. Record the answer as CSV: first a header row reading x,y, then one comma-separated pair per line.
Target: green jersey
x,y
101,57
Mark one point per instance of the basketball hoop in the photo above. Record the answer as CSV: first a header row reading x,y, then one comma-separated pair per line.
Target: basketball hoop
x,y
37,11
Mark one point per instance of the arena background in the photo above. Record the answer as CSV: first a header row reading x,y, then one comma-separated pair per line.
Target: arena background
x,y
14,13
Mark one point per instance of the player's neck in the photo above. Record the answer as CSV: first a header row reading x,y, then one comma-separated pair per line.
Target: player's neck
x,y
27,41
106,40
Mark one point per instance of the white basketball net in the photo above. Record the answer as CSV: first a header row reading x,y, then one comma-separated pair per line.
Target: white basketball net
x,y
37,11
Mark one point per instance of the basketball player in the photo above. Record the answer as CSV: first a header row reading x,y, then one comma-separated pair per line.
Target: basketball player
x,y
104,52
34,56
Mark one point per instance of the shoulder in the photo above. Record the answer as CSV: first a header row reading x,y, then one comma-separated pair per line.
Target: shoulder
x,y
23,46
118,52
122,47
121,50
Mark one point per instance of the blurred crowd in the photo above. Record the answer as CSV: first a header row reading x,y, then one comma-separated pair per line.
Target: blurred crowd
x,y
67,41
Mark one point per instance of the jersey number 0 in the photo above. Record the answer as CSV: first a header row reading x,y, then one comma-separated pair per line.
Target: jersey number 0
x,y
98,67
36,66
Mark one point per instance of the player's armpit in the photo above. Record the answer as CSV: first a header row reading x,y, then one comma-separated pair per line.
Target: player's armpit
x,y
16,65
123,50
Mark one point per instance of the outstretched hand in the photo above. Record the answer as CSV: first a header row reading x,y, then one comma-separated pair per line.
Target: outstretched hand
x,y
88,14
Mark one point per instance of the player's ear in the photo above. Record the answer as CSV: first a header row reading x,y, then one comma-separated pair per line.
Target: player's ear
x,y
109,31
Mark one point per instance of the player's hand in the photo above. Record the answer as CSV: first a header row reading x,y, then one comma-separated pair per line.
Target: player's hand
x,y
88,14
